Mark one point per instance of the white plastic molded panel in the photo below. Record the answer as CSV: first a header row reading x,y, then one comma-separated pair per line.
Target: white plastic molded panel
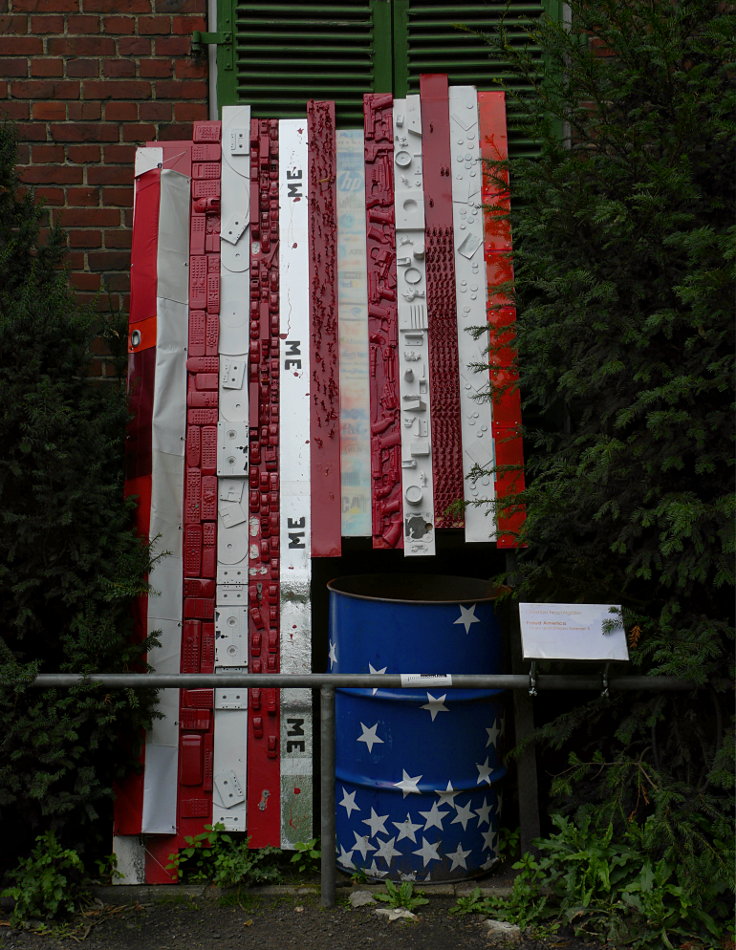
x,y
167,499
470,285
416,448
232,449
231,631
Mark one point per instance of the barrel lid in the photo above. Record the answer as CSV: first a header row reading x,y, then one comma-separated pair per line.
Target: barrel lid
x,y
414,588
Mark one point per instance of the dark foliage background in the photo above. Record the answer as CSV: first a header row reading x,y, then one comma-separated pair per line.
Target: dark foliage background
x,y
69,560
624,263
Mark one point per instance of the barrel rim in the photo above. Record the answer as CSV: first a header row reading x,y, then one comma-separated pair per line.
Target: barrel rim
x,y
493,593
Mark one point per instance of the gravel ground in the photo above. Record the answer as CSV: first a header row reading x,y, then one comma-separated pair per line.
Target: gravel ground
x,y
266,919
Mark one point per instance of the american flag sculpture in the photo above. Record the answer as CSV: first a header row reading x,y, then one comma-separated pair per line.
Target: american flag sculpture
x,y
302,370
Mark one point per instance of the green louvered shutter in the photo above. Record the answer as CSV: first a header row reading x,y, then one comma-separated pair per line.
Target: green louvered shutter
x,y
279,54
285,53
431,36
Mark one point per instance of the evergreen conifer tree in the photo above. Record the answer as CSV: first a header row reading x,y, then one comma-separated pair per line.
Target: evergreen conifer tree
x,y
624,242
70,562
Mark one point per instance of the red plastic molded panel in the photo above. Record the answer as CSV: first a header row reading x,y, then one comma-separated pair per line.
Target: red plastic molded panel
x,y
447,466
207,132
506,401
177,156
324,385
383,327
264,778
196,713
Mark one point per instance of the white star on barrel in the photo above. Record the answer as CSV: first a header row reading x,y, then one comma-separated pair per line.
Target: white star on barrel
x,y
493,733
369,735
362,844
434,817
348,802
467,617
406,828
463,816
484,771
345,858
446,795
484,813
376,823
375,871
372,669
490,839
386,850
458,858
409,784
435,705
428,851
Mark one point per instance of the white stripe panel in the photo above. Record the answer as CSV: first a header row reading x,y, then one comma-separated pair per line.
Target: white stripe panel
x,y
470,284
231,628
294,468
416,429
130,854
129,849
352,302
167,497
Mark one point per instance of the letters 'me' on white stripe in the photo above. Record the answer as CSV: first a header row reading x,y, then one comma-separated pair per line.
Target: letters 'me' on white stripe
x,y
167,496
352,302
294,469
231,628
470,284
416,430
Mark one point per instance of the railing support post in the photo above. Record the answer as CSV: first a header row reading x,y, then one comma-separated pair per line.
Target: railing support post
x,y
327,787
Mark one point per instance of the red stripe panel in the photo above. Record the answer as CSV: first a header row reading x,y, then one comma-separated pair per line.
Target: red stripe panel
x,y
143,276
324,385
159,848
506,400
141,376
447,466
383,326
128,809
264,784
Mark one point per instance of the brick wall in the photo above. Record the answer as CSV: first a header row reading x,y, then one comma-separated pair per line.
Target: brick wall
x,y
85,82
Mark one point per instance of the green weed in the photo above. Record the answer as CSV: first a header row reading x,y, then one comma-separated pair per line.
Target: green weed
x,y
217,857
606,887
50,883
306,857
402,895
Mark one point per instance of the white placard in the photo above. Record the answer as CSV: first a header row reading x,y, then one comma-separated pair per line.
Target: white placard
x,y
426,679
572,632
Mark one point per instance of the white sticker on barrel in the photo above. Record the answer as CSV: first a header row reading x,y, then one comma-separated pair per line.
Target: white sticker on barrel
x,y
426,679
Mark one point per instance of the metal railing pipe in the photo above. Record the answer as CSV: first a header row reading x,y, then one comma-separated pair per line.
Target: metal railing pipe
x,y
354,680
327,683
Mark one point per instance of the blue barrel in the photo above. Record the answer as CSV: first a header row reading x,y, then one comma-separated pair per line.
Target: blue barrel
x,y
418,770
